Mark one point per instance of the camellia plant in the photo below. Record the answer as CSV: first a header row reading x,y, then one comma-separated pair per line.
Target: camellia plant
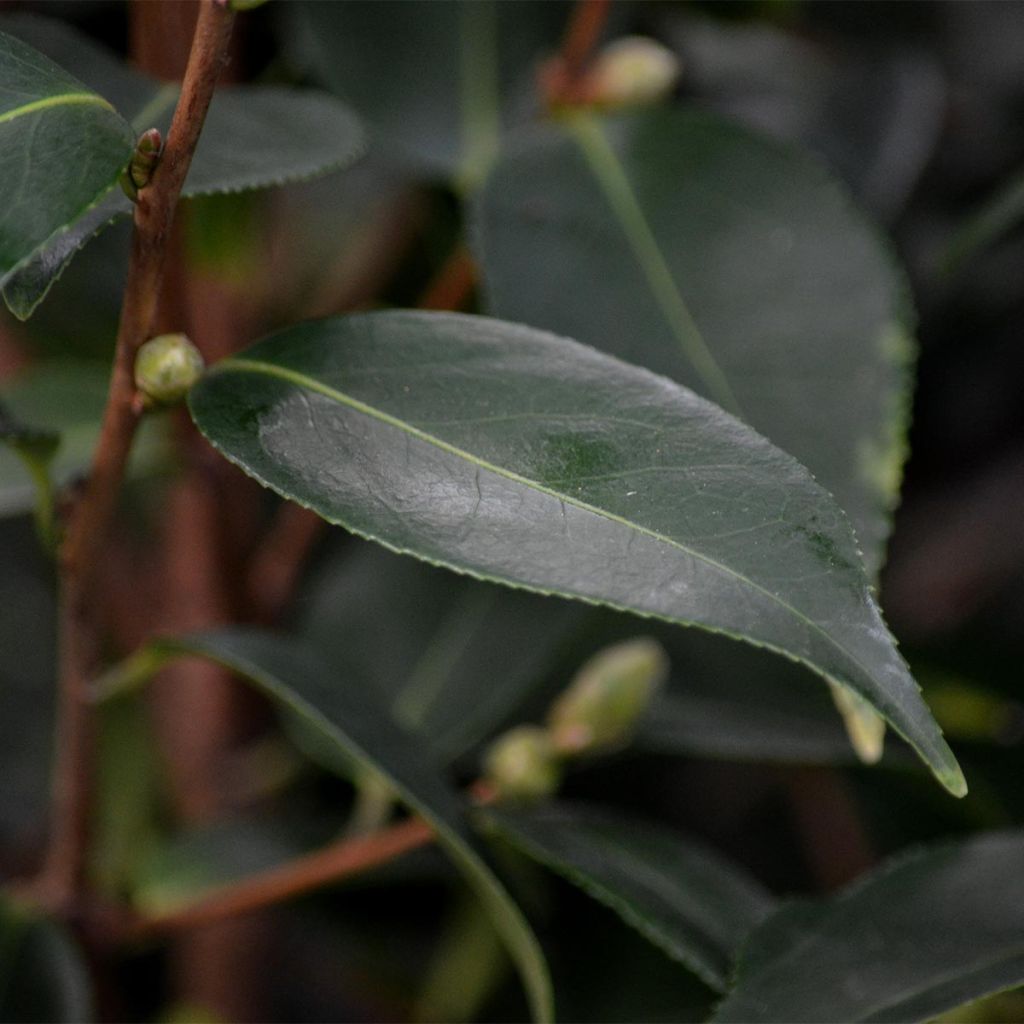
x,y
627,459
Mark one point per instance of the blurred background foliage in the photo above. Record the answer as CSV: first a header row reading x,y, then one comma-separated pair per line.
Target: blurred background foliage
x,y
917,107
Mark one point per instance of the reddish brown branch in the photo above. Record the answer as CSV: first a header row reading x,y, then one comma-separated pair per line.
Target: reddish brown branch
x,y
562,78
91,517
277,567
324,867
453,284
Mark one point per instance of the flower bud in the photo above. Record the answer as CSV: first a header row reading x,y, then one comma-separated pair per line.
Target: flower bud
x,y
522,765
166,367
632,71
603,704
864,726
147,152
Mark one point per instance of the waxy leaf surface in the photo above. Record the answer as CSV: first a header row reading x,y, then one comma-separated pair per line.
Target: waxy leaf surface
x,y
254,137
61,148
920,936
514,455
684,898
728,262
360,728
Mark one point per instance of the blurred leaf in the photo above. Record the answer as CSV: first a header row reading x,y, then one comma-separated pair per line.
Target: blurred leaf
x,y
923,934
691,903
511,454
125,827
254,137
873,110
453,656
61,148
42,975
27,673
185,867
362,729
66,397
471,62
730,263
468,964
997,217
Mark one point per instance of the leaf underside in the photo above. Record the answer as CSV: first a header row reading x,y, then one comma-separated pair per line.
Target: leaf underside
x,y
682,897
61,149
514,455
360,728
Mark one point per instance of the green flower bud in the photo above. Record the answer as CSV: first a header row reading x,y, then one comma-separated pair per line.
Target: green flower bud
x,y
522,765
147,152
864,726
603,704
632,71
166,367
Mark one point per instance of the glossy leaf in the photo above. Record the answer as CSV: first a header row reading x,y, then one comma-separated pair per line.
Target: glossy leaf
x,y
61,148
254,137
684,898
42,974
515,455
922,935
360,728
472,62
730,263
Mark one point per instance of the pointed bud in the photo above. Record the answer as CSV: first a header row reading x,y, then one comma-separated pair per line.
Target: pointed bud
x,y
864,726
632,71
144,159
606,699
166,367
521,765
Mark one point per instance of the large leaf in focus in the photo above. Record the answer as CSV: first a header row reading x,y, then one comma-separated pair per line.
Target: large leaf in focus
x,y
438,81
514,455
61,148
359,727
453,656
730,263
42,974
688,901
254,137
922,935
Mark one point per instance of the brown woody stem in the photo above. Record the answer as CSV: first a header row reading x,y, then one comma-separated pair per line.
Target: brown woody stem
x,y
90,519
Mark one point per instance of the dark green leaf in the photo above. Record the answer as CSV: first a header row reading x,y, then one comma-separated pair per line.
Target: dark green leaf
x,y
471,62
922,935
732,264
1000,215
61,148
42,975
360,728
452,656
515,455
254,137
684,898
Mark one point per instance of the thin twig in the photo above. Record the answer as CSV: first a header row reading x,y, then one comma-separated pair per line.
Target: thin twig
x,y
342,859
451,287
90,520
324,867
562,77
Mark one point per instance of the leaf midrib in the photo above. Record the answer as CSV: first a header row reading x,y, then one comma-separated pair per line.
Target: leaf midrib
x,y
47,102
312,384
611,177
